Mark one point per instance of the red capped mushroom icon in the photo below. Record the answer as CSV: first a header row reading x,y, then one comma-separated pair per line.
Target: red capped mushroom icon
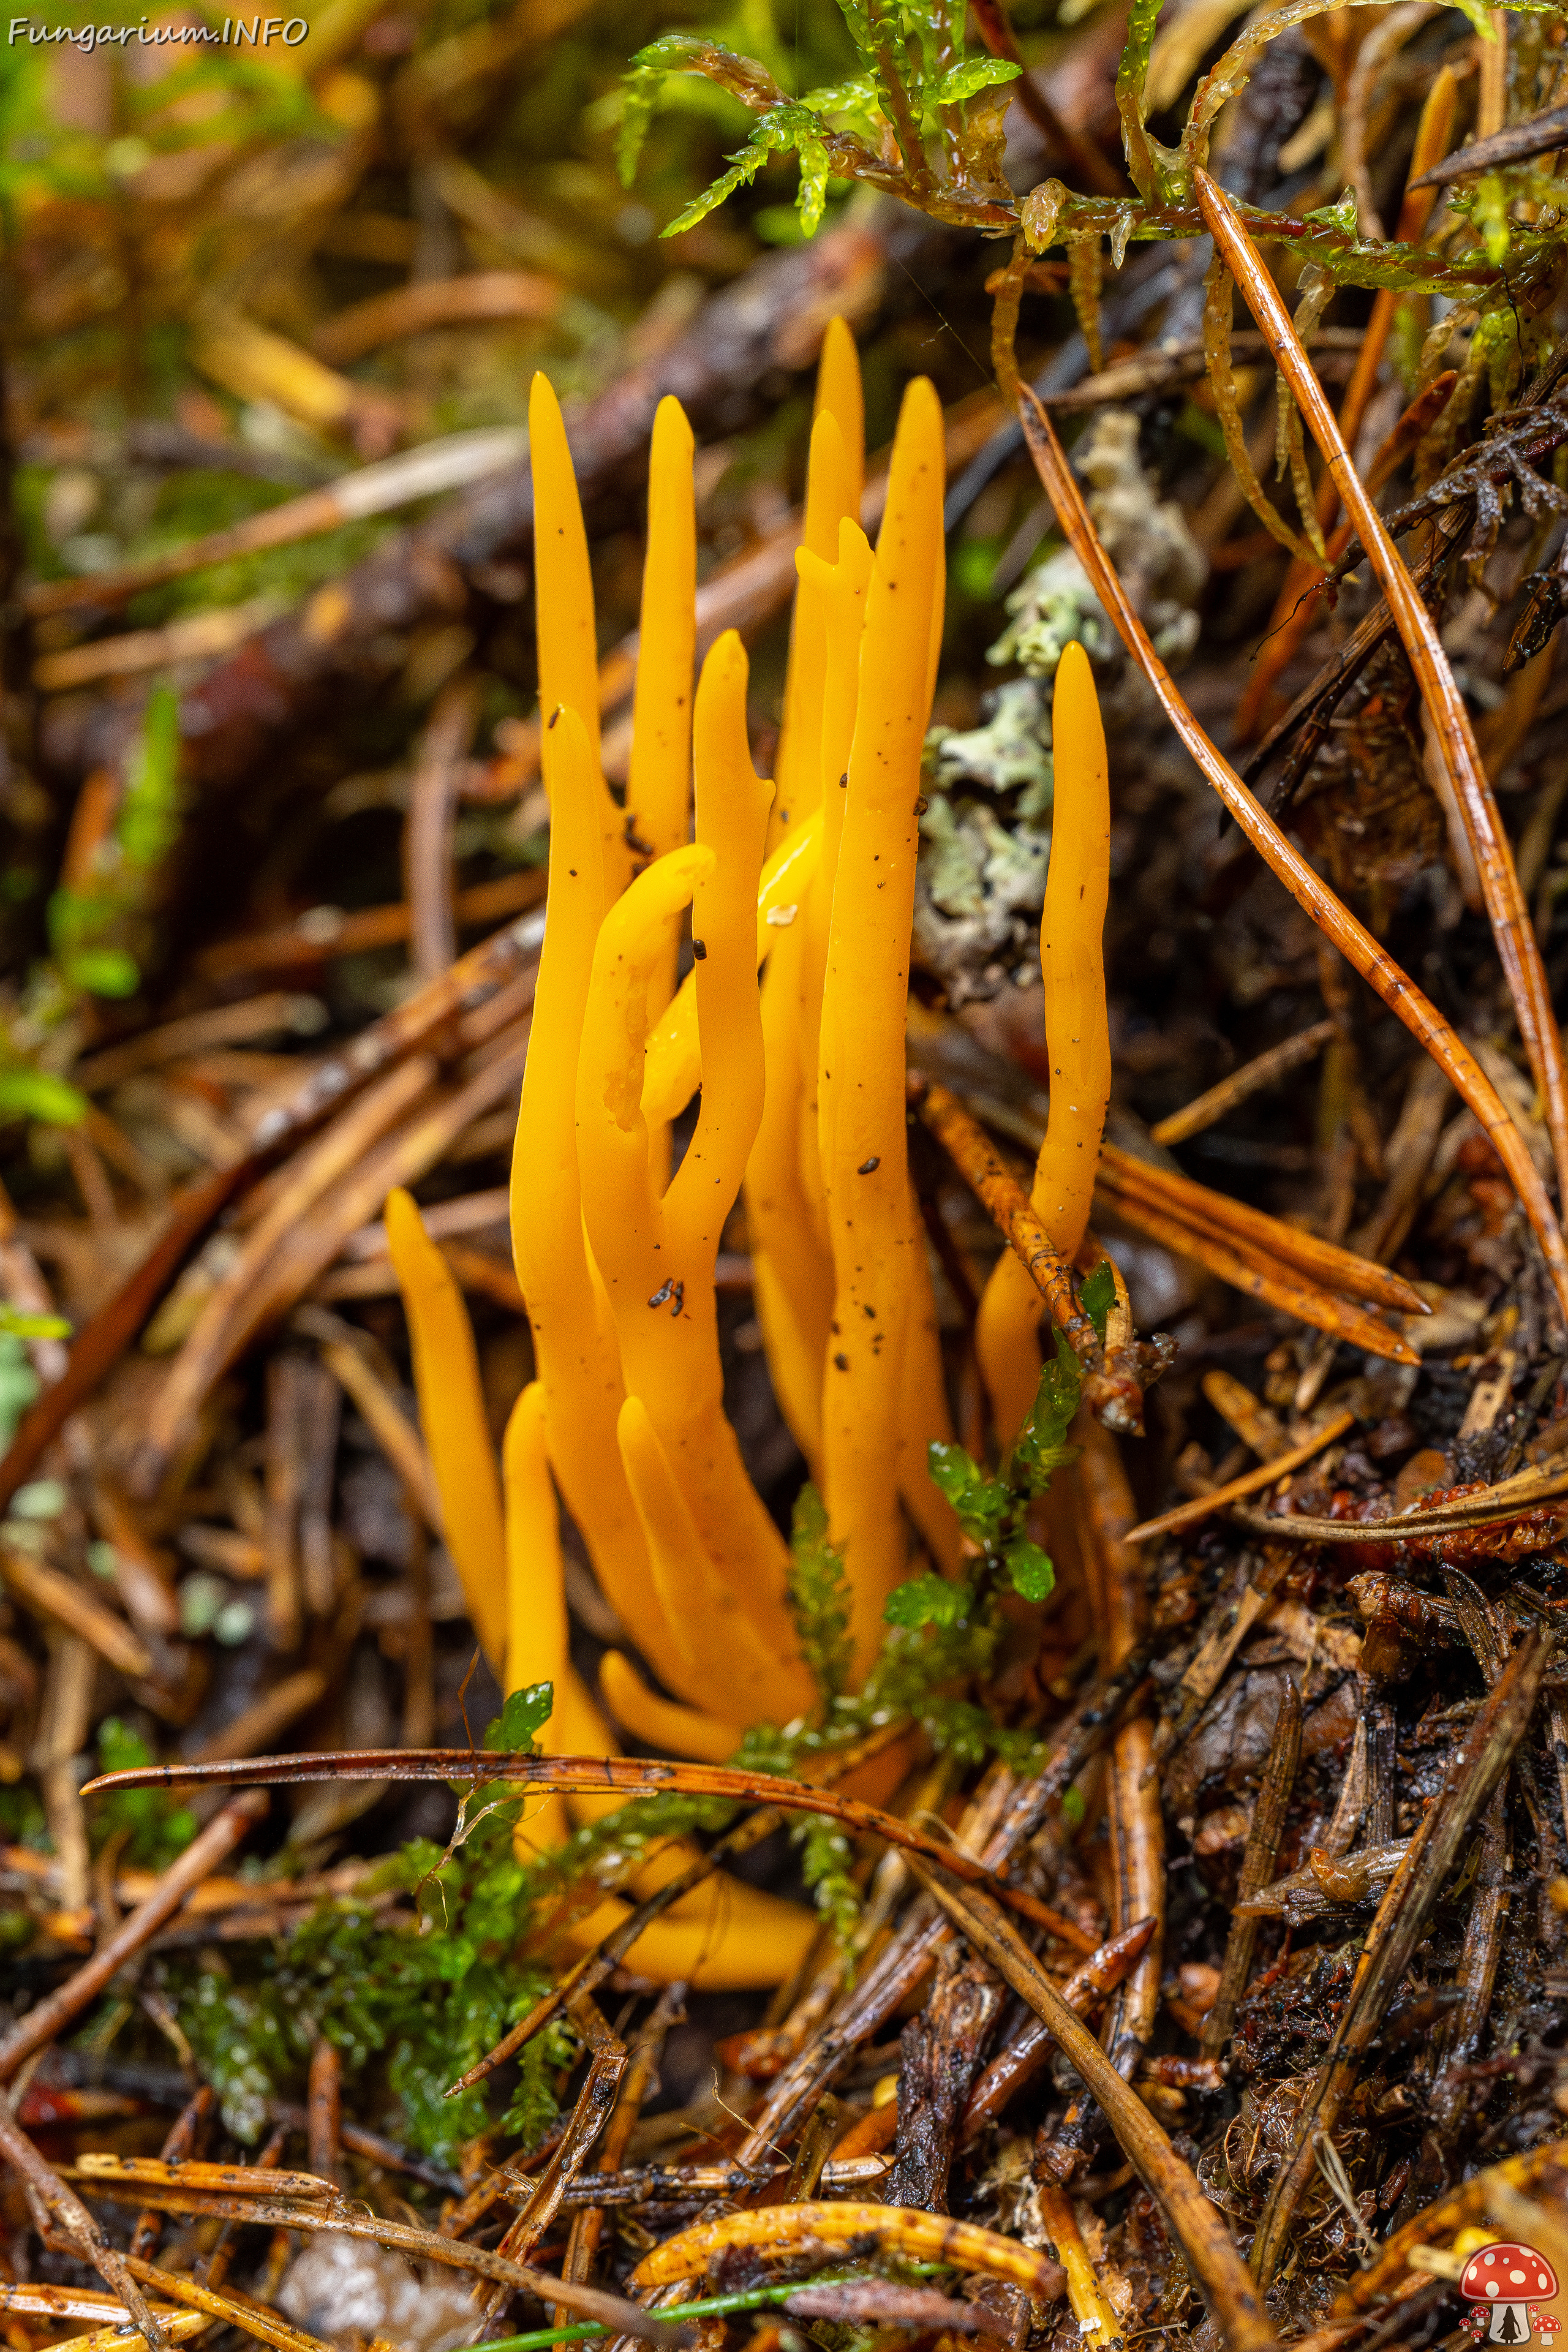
x,y
1508,2279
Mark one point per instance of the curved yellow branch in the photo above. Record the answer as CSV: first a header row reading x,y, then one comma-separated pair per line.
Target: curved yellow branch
x,y
835,481
792,1277
657,1259
574,1338
1078,1038
739,1941
686,1731
452,1411
923,1415
674,1067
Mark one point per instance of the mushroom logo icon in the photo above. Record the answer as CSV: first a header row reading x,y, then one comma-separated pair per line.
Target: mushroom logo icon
x,y
1503,2282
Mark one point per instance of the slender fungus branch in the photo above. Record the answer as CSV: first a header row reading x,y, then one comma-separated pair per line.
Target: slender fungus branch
x,y
574,1346
862,1146
1355,942
456,1432
537,1643
658,780
1518,949
1078,1036
972,1153
563,608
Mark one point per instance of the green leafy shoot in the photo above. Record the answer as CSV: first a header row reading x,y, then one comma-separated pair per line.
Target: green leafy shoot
x,y
928,1601
981,1503
1040,1446
915,81
817,1591
515,1730
1032,1575
827,1862
992,1512
1097,1292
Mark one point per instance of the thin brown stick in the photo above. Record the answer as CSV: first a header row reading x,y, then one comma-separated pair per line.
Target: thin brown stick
x,y
585,2301
1220,1498
51,2196
1136,1820
1027,2050
1355,942
375,489
1474,1770
1198,2226
607,2062
232,2309
1256,1868
642,2076
616,1775
1264,1070
1512,928
50,2016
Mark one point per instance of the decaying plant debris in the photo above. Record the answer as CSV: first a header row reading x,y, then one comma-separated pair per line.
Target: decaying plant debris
x,y
1143,1918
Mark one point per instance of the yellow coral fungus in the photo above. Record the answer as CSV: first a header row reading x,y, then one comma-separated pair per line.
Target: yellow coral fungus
x,y
801,1097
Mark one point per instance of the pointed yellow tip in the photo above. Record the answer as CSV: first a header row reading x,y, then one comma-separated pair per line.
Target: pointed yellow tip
x,y
826,438
402,1214
671,423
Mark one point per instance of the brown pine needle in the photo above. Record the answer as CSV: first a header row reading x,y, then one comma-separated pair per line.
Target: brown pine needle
x,y
1263,1070
1355,942
1518,949
1195,1205
1256,1275
970,1148
612,1774
1266,1474
778,2229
